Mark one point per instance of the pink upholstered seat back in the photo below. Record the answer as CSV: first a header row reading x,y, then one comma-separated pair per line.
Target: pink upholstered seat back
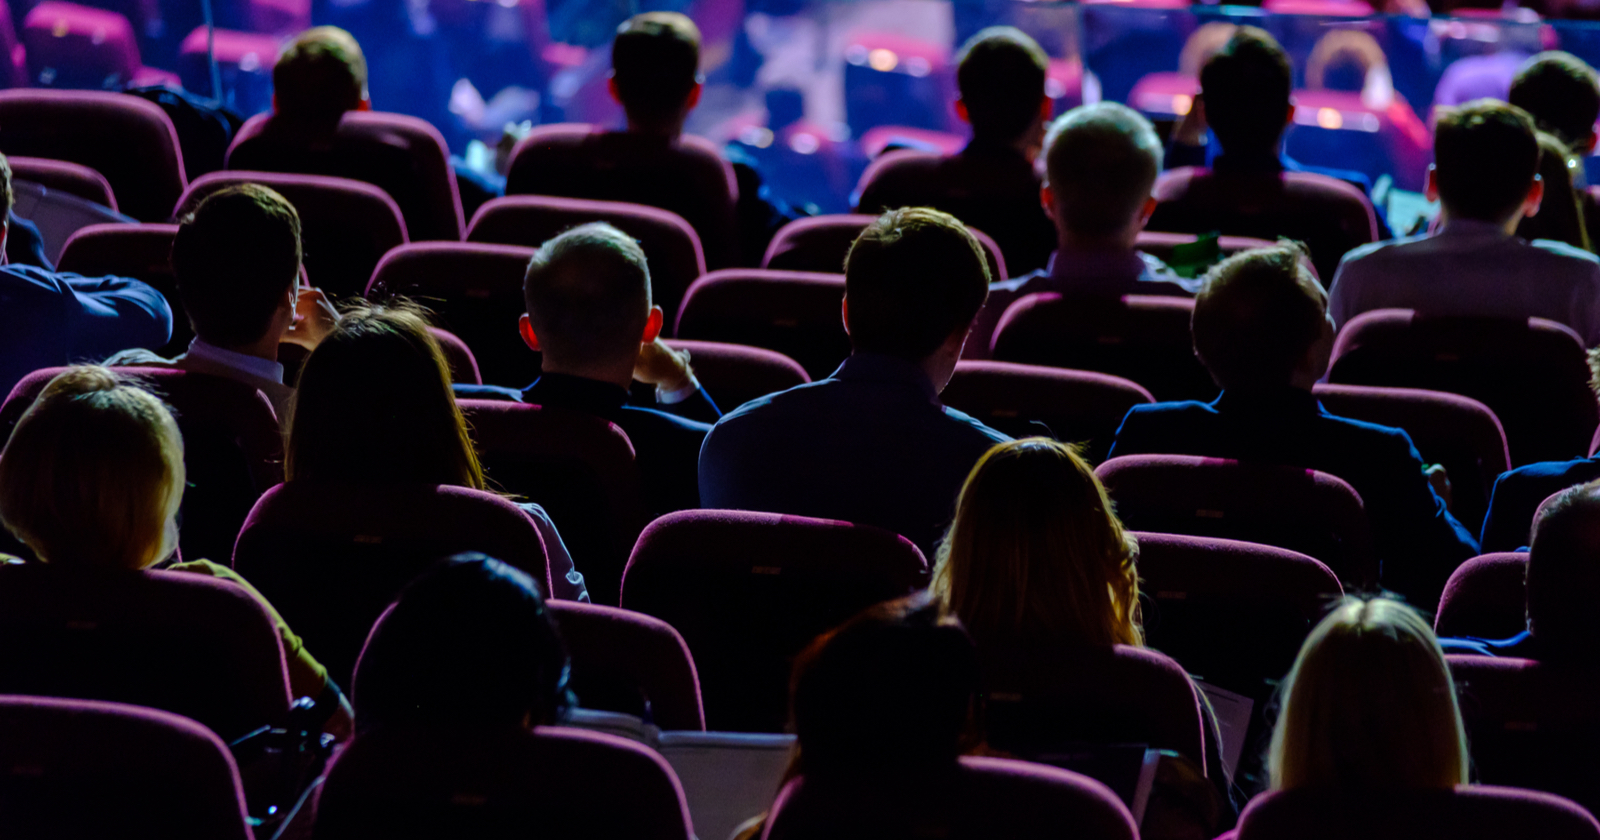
x,y
734,374
1023,400
794,313
622,660
1467,813
70,178
1486,597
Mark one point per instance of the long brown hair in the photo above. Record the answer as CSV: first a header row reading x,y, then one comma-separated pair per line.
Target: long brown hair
x,y
1036,552
374,405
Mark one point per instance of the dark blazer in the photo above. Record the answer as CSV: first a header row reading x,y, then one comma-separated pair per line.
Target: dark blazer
x,y
870,444
1411,528
666,440
1517,494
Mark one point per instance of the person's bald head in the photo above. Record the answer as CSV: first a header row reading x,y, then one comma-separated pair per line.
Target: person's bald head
x,y
588,295
1258,318
1564,567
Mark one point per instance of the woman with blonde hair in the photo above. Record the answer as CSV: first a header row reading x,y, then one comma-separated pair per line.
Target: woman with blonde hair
x,y
1036,554
1369,706
91,481
374,404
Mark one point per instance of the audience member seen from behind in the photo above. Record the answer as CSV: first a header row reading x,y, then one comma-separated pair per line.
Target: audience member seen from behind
x,y
50,318
1485,177
453,678
1561,215
1519,492
1562,578
591,316
1261,328
375,407
655,65
1369,707
991,184
1251,188
1562,94
91,481
1101,162
871,444
237,261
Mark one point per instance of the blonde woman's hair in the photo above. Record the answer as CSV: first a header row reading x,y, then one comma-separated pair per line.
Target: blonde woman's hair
x,y
1369,705
93,473
1036,552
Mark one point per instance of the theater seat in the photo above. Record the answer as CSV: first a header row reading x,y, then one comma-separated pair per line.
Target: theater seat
x,y
1028,400
629,662
73,46
979,797
792,312
143,252
77,770
64,176
1470,812
734,374
748,591
1486,597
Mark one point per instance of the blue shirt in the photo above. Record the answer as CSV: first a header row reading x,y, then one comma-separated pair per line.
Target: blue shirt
x,y
49,318
870,444
1412,531
1518,494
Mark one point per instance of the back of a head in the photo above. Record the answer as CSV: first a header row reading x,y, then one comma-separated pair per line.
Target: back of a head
x,y
93,473
468,644
320,75
1486,154
1369,706
236,257
1564,570
1258,314
655,63
1560,215
1101,161
912,279
1246,87
1561,93
1036,553
588,295
374,404
893,686
1001,74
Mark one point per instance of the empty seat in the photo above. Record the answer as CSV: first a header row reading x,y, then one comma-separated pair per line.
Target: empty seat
x,y
1144,338
142,162
81,771
734,374
143,252
1486,597
979,797
331,557
1289,507
553,781
670,244
748,591
795,313
1044,699
463,365
1235,612
1531,724
476,292
73,46
1024,400
820,243
185,643
232,449
1532,374
64,176
345,226
1458,432
1469,812
402,155
687,178
580,469
624,661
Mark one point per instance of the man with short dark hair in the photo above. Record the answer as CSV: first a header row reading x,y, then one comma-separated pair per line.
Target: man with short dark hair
x,y
1561,580
237,261
1251,187
1100,162
591,316
1562,94
1486,159
1261,328
991,184
321,75
50,318
871,444
655,63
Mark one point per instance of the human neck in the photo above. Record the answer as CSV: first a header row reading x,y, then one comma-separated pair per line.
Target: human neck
x,y
1508,225
665,129
1123,241
618,373
266,348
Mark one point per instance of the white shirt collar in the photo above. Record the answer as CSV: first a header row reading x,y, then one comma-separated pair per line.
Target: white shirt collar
x,y
257,367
